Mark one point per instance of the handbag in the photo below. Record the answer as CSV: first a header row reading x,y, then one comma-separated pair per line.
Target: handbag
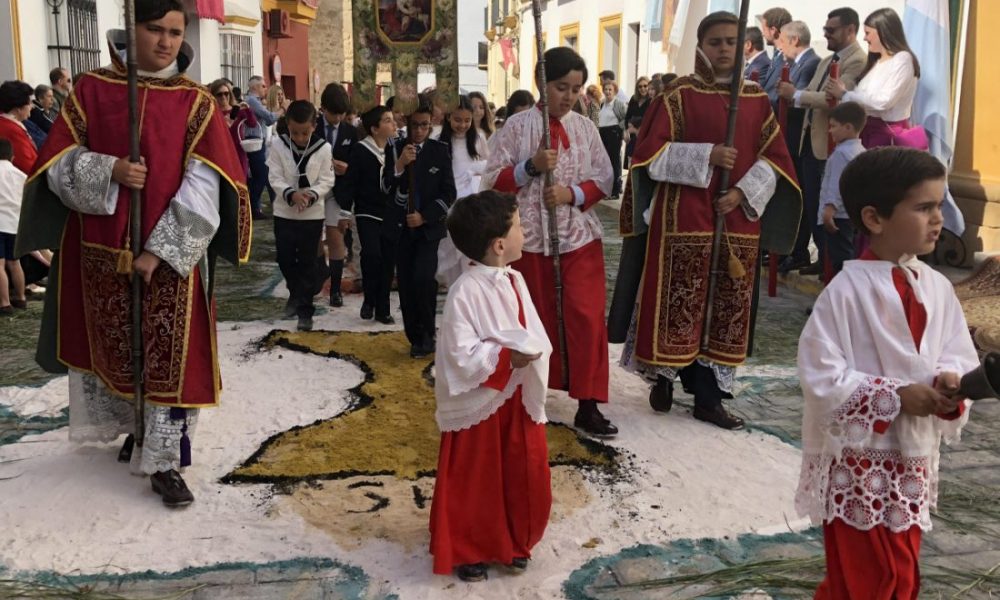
x,y
251,138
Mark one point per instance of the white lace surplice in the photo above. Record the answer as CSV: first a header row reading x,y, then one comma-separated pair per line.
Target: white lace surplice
x,y
479,320
854,353
586,159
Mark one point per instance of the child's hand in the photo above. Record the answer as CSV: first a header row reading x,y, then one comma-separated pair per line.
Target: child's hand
x,y
520,359
921,400
301,200
947,383
828,223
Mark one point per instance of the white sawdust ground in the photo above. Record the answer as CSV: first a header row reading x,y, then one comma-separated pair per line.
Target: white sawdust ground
x,y
74,510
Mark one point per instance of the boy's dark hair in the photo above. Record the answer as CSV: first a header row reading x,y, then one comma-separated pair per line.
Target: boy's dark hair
x,y
335,99
607,74
14,94
301,111
847,17
152,10
717,18
476,220
390,102
6,150
517,100
850,113
882,178
371,118
423,108
559,61
756,38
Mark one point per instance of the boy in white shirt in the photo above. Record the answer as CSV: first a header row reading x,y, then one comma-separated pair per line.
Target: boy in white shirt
x,y
11,189
300,169
879,363
492,494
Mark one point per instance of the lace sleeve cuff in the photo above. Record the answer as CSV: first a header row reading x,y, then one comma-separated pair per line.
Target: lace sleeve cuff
x,y
870,410
758,185
82,180
683,164
185,230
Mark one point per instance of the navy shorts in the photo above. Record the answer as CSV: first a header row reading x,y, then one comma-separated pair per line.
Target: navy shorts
x,y
7,246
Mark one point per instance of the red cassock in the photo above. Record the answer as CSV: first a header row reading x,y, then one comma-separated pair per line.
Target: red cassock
x,y
492,493
878,564
673,294
179,122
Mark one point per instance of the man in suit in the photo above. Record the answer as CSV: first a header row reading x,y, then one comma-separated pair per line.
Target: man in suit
x,y
841,32
340,135
425,165
794,42
757,60
771,23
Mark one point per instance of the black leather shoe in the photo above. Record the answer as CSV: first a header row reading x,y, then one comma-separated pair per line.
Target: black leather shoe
x,y
170,485
790,263
591,421
719,417
289,311
305,324
476,572
125,454
336,299
367,311
518,563
421,351
385,319
814,269
661,395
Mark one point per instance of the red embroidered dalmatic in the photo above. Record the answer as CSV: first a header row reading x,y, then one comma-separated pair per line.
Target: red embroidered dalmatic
x,y
673,294
179,122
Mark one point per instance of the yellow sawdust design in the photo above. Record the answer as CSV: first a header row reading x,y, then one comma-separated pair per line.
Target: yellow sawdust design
x,y
393,431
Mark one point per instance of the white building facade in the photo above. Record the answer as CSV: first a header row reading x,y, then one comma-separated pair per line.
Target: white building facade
x,y
36,36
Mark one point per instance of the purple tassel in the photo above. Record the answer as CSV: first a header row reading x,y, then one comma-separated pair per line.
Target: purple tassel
x,y
178,414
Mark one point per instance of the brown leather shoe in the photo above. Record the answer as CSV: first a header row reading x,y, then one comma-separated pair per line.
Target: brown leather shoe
x,y
720,417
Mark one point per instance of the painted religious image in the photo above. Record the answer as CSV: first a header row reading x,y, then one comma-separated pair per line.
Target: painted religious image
x,y
405,20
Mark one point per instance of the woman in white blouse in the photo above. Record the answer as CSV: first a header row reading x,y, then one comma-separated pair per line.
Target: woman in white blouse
x,y
887,85
611,125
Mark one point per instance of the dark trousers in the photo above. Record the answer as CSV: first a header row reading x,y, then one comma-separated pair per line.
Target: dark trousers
x,y
416,265
611,137
297,244
258,179
700,380
810,170
838,246
378,264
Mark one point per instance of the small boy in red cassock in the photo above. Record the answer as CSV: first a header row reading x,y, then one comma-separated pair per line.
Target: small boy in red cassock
x,y
492,494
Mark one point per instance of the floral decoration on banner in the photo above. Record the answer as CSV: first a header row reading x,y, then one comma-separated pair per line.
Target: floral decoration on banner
x,y
405,34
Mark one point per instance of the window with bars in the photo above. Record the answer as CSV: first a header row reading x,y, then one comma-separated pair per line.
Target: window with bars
x,y
77,43
237,58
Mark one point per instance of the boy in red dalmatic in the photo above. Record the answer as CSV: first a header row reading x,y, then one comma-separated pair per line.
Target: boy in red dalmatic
x,y
194,208
492,494
880,362
581,177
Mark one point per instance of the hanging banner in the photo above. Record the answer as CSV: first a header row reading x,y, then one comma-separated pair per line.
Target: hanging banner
x,y
405,34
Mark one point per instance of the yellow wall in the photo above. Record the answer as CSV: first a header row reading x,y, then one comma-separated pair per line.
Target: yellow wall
x,y
975,180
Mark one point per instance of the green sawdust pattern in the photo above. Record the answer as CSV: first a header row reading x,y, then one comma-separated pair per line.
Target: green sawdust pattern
x,y
391,430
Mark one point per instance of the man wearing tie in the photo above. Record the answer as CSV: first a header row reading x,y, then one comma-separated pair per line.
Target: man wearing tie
x,y
771,23
757,60
841,32
426,190
340,135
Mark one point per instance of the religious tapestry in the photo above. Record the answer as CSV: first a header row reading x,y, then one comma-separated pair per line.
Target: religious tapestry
x,y
405,34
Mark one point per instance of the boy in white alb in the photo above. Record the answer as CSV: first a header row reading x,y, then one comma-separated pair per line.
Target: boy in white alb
x,y
492,494
879,362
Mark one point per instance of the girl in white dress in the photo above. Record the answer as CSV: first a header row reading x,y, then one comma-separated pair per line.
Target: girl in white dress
x,y
468,160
